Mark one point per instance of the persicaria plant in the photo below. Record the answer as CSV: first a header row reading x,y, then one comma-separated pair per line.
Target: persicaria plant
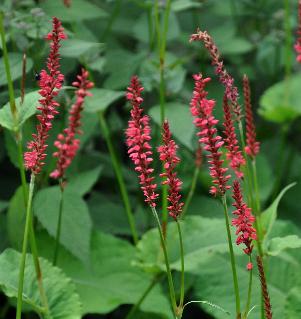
x,y
149,185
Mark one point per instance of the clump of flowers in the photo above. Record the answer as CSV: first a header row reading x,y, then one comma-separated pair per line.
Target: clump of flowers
x,y
168,155
138,137
234,154
66,142
225,78
252,146
298,42
50,83
244,221
201,108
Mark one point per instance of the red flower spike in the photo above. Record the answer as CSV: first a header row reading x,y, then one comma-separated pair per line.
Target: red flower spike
x,y
244,221
234,155
66,142
168,155
138,137
50,84
225,78
201,108
252,147
297,46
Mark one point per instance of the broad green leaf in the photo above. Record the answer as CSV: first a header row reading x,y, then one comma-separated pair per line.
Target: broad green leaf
x,y
3,233
15,62
277,244
202,238
180,121
101,99
280,102
25,111
110,279
293,304
16,219
269,216
180,5
62,297
82,182
76,222
74,48
79,10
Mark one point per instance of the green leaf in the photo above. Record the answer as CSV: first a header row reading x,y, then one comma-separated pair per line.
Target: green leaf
x,y
25,111
101,99
73,48
16,216
15,63
181,5
293,304
203,238
76,222
79,10
62,297
82,183
278,244
180,121
110,279
269,216
280,102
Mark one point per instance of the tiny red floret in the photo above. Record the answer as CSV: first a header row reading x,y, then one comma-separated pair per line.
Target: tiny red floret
x,y
66,142
298,42
168,155
138,137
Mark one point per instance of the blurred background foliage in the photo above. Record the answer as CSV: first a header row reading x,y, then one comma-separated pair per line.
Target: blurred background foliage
x,y
114,40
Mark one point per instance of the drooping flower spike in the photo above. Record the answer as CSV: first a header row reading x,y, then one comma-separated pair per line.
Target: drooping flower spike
x,y
243,222
233,154
225,78
50,84
252,146
298,41
66,142
201,108
138,137
168,155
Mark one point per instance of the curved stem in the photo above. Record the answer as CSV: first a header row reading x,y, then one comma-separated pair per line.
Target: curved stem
x,y
191,190
149,288
24,248
168,271
182,291
59,225
249,291
116,165
232,258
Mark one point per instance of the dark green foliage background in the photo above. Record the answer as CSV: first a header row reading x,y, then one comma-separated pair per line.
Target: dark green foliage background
x,y
115,39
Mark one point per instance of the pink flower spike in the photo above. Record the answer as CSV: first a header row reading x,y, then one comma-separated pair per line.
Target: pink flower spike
x,y
225,78
201,108
252,147
234,154
297,46
66,142
244,221
138,137
50,83
168,156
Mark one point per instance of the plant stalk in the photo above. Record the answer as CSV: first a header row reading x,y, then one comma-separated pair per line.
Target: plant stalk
x,y
117,168
182,291
249,291
232,258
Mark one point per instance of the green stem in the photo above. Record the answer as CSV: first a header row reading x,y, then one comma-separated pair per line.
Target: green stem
x,y
168,271
249,291
182,291
232,258
191,190
24,248
137,305
118,173
59,225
